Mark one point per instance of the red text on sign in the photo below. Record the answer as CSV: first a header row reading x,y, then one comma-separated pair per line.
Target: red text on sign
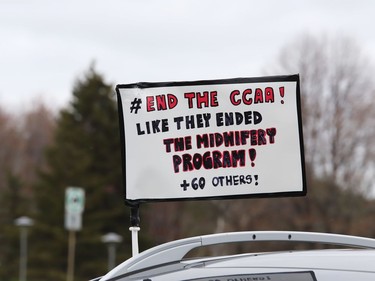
x,y
248,97
204,99
161,102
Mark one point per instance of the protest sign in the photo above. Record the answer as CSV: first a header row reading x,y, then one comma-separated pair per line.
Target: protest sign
x,y
214,139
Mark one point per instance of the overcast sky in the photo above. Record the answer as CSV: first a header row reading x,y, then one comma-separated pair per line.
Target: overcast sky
x,y
46,45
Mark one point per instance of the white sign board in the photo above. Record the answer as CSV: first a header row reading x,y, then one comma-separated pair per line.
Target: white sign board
x,y
212,139
73,221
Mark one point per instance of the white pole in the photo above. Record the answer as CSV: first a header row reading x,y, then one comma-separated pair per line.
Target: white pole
x,y
134,230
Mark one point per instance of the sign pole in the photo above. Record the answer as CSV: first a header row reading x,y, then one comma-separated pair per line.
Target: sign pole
x,y
134,228
74,206
71,255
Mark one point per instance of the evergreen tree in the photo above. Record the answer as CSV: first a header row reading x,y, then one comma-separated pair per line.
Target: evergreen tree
x,y
85,153
13,205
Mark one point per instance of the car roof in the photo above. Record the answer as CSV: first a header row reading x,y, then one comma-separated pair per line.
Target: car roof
x,y
166,262
313,265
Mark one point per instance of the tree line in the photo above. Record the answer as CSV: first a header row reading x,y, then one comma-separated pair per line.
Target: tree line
x,y
43,152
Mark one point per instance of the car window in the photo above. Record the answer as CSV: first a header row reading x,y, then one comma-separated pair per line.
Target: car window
x,y
280,276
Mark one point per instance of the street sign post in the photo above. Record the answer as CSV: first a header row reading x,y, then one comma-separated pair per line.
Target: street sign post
x,y
74,206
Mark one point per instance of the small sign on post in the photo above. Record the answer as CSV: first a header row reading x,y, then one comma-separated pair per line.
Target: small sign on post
x,y
74,206
74,200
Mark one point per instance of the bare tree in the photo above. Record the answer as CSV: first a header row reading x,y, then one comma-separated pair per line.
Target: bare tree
x,y
24,138
9,146
36,128
338,107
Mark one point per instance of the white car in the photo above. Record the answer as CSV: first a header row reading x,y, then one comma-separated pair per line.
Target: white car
x,y
166,262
